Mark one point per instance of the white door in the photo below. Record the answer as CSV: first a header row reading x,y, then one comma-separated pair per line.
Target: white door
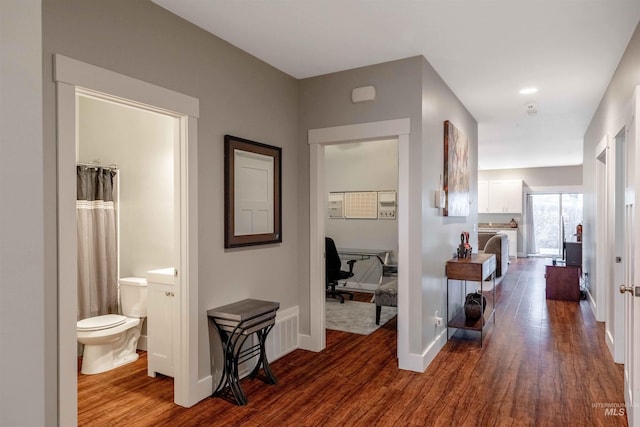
x,y
632,303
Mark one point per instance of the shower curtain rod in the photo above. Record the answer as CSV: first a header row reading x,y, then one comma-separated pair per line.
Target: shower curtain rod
x,y
98,165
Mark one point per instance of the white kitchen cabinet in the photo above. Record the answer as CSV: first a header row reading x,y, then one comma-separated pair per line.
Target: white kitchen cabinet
x,y
504,197
513,241
162,297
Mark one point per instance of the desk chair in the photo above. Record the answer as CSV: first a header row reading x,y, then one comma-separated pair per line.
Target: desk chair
x,y
333,271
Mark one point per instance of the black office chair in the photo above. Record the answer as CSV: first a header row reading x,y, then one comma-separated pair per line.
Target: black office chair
x,y
333,271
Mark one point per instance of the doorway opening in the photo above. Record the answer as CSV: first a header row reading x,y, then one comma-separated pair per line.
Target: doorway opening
x,y
556,217
361,185
72,78
408,259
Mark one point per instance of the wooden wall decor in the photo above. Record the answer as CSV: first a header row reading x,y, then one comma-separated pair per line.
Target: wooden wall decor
x,y
456,171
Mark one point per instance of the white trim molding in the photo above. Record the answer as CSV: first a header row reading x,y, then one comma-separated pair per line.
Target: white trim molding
x,y
399,129
74,77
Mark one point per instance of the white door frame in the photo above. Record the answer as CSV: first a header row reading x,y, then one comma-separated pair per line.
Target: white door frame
x,y
632,303
72,76
389,129
599,291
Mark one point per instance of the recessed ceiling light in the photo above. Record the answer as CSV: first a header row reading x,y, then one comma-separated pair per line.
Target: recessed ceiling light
x,y
529,90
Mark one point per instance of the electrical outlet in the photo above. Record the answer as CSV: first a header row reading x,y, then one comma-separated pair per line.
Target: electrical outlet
x,y
438,319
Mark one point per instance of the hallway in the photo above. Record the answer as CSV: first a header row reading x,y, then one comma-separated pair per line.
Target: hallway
x,y
542,363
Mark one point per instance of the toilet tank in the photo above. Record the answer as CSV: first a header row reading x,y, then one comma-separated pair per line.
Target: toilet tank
x,y
133,296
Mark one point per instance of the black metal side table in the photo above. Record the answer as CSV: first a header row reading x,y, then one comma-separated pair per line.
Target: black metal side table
x,y
235,322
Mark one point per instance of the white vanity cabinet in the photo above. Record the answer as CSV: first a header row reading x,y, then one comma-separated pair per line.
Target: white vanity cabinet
x,y
161,311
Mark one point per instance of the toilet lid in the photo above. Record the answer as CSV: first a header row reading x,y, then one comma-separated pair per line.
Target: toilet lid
x,y
101,322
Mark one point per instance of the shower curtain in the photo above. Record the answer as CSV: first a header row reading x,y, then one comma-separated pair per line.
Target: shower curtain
x,y
97,253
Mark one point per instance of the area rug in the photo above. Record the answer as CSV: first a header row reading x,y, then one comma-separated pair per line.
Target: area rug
x,y
356,317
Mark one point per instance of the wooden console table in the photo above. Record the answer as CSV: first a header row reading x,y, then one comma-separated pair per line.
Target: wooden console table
x,y
235,322
476,269
562,282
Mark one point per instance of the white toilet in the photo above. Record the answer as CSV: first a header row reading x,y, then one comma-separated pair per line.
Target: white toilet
x,y
111,340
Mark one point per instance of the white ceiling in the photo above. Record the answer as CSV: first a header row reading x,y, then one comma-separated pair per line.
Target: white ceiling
x,y
485,50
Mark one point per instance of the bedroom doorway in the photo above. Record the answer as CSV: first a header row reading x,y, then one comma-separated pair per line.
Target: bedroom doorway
x,y
361,186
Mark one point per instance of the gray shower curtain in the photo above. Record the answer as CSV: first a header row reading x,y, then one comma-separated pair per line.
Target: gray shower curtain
x,y
97,253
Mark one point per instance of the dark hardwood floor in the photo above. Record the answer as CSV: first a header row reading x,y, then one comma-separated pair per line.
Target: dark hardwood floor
x,y
544,363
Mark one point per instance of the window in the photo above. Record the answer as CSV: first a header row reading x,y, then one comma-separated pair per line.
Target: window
x,y
555,218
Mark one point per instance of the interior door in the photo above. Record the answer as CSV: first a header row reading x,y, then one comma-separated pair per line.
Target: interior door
x,y
632,262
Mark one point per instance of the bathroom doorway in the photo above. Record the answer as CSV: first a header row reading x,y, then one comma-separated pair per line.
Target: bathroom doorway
x,y
139,145
75,78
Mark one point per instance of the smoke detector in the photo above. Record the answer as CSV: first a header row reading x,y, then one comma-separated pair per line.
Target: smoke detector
x,y
532,110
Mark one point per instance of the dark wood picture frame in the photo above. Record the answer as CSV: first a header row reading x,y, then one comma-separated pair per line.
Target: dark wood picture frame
x,y
239,222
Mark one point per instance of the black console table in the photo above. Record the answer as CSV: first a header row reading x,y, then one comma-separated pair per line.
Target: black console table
x,y
235,322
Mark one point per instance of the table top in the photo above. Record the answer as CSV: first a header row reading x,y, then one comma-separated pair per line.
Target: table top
x,y
372,252
243,310
477,267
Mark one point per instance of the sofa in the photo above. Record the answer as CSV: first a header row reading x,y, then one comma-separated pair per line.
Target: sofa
x,y
498,244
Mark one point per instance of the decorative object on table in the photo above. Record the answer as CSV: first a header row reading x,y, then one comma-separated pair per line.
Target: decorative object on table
x,y
252,188
456,171
464,249
513,223
474,305
579,233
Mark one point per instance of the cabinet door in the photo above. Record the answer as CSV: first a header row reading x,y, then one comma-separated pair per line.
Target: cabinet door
x,y
505,196
483,196
496,196
161,300
513,197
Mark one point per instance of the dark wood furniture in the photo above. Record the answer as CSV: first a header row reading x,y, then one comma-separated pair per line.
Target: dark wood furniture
x,y
477,268
235,323
562,282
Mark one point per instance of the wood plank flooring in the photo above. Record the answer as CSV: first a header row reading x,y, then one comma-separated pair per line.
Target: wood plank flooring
x,y
544,363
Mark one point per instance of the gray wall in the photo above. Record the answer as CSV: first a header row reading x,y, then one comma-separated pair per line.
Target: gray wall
x,y
534,178
28,364
238,94
325,101
404,88
609,119
440,235
141,143
363,166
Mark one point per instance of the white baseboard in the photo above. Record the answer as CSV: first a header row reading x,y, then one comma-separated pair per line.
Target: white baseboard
x,y
420,362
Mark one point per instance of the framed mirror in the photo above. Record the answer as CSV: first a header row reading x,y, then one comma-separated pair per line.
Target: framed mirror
x,y
252,193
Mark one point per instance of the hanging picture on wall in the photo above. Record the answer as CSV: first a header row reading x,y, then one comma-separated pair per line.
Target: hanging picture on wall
x,y
456,171
252,187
